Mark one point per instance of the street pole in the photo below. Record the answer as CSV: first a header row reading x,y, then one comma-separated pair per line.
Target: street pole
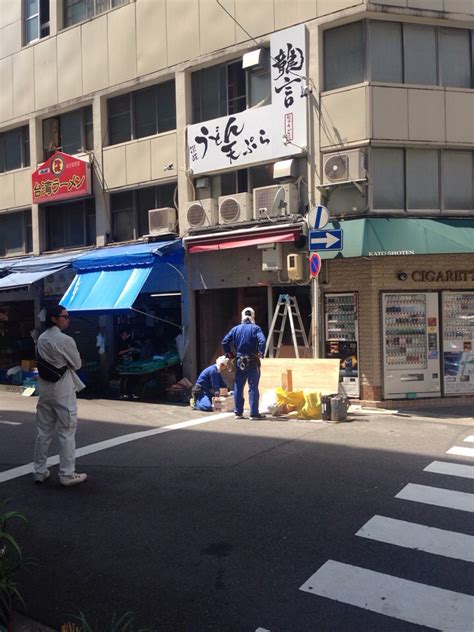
x,y
315,318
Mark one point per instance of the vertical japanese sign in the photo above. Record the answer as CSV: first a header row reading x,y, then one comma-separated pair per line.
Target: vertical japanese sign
x,y
264,133
61,177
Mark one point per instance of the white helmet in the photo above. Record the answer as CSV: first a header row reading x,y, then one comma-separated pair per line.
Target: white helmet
x,y
248,314
221,360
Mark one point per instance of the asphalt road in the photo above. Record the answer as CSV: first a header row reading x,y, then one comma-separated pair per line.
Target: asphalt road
x,y
237,526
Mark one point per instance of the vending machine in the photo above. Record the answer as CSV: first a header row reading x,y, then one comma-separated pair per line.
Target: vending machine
x,y
341,336
458,342
411,345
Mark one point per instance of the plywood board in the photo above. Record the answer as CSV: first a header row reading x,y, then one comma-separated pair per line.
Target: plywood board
x,y
317,374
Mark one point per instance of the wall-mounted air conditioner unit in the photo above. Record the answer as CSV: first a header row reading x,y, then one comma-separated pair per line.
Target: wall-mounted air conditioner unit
x,y
275,201
162,221
235,208
201,213
344,166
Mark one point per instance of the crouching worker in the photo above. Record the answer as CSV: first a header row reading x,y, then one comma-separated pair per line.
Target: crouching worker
x,y
208,384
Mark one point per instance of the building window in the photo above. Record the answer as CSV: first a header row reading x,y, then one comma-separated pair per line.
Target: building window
x,y
397,53
36,19
142,113
79,10
130,210
71,132
427,181
344,56
228,89
15,149
15,233
70,224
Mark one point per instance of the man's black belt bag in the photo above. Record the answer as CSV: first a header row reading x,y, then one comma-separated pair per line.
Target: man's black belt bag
x,y
48,372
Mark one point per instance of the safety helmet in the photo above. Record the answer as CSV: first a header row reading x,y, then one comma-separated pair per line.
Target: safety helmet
x,y
248,314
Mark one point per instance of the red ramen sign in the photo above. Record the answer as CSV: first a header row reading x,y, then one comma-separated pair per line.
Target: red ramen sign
x,y
61,177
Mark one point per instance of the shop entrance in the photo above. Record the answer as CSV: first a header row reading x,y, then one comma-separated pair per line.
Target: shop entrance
x,y
16,344
217,311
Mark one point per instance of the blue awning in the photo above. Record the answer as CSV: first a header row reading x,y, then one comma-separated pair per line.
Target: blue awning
x,y
105,290
19,279
46,263
130,256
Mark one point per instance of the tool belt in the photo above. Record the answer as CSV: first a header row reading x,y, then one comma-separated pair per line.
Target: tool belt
x,y
244,362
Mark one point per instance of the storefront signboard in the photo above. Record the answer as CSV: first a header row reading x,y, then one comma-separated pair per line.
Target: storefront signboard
x,y
262,133
61,177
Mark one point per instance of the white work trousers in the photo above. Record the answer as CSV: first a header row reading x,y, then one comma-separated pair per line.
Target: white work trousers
x,y
56,415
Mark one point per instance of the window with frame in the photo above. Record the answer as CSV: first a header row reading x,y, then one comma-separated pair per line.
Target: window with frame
x,y
15,149
396,52
428,181
15,233
71,132
79,10
70,224
228,89
130,210
36,20
142,113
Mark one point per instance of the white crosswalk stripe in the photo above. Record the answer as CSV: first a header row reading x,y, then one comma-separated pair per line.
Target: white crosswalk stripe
x,y
401,598
437,496
450,469
420,537
461,451
393,596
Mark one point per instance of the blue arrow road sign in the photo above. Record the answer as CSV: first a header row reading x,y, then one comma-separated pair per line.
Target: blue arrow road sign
x,y
330,239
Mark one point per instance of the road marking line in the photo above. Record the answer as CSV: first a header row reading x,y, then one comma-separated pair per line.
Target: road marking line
x,y
459,450
111,443
437,496
469,438
392,596
10,423
420,537
451,469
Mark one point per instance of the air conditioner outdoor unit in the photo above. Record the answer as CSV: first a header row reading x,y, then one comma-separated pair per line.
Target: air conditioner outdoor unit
x,y
202,213
162,221
275,201
235,208
344,166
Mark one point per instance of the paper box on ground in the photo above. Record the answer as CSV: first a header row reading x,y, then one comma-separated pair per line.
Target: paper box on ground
x,y
223,404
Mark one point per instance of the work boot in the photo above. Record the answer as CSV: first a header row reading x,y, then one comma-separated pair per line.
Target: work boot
x,y
41,477
72,479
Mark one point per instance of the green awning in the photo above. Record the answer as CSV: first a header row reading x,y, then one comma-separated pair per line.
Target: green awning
x,y
402,236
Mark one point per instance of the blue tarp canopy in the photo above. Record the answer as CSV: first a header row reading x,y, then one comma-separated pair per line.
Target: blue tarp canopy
x,y
19,279
106,290
110,279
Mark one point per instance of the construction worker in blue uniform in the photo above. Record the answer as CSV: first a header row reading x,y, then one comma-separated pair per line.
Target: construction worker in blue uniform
x,y
208,384
246,342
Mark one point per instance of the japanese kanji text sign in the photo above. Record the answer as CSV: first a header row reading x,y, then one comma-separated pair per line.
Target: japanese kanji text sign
x,y
61,177
266,132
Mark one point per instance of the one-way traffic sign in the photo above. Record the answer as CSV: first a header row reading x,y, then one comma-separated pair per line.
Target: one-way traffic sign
x,y
330,239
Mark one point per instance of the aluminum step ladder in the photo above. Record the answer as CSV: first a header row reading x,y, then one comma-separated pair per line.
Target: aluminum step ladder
x,y
286,309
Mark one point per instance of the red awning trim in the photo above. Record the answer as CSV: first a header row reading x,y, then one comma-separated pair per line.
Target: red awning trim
x,y
241,241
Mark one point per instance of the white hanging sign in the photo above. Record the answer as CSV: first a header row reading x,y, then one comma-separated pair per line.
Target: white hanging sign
x,y
264,133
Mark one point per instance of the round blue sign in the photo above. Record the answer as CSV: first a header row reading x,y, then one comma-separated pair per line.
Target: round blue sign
x,y
314,265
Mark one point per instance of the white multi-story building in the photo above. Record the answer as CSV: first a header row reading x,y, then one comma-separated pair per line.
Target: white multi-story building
x,y
237,118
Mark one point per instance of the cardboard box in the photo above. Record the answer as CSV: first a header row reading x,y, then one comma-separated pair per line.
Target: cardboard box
x,y
223,404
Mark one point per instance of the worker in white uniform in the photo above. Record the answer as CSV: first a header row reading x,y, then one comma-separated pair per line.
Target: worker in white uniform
x,y
56,412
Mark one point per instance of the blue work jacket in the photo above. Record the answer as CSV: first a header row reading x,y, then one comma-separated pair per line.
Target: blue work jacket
x,y
210,380
246,339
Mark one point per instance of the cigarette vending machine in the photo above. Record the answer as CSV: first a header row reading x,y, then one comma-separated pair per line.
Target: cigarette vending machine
x,y
341,336
458,342
411,345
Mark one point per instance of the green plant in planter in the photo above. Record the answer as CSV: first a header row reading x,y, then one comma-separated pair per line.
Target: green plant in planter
x,y
123,623
11,560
